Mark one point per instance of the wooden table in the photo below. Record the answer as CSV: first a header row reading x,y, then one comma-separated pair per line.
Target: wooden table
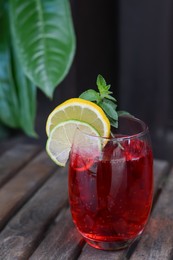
x,y
35,220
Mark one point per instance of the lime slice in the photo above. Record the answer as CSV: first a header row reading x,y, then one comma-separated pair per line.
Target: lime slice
x,y
81,110
61,138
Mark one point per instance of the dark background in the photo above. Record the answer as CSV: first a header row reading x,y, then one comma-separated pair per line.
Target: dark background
x,y
130,44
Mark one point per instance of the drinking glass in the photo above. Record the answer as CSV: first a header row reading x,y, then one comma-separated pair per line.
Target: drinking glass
x,y
111,184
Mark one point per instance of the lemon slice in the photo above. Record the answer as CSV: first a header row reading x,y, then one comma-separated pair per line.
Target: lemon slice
x,y
61,137
82,110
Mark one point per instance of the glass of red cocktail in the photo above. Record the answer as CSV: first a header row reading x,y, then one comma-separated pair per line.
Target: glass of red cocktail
x,y
111,184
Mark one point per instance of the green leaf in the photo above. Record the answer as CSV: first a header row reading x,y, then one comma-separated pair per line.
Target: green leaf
x,y
108,87
17,94
1,7
101,84
26,92
113,122
100,80
90,95
44,38
109,109
110,97
8,100
111,103
105,101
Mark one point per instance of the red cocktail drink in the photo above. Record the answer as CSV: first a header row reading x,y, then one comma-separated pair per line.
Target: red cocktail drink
x,y
110,190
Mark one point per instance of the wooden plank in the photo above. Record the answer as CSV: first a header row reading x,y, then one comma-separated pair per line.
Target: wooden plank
x,y
9,142
23,233
63,242
95,254
14,193
160,168
14,159
157,240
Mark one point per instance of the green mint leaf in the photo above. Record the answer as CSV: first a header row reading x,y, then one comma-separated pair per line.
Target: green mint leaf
x,y
111,103
105,100
113,122
101,84
108,87
110,97
90,95
109,109
109,92
100,80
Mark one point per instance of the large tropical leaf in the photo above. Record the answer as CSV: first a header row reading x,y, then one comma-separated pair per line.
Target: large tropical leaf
x,y
9,108
44,39
26,93
17,93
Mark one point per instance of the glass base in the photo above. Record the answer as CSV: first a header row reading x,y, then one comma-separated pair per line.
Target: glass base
x,y
103,245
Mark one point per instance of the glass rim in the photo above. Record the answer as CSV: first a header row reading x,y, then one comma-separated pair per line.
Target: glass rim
x,y
124,137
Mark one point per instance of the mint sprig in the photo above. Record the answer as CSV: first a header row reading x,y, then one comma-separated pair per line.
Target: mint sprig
x,y
105,100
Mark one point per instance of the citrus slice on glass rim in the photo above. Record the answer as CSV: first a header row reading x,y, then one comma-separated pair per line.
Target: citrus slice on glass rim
x,y
81,110
61,137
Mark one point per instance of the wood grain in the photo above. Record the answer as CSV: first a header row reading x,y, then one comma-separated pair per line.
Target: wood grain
x,y
63,242
161,170
13,160
23,233
10,142
157,240
14,193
